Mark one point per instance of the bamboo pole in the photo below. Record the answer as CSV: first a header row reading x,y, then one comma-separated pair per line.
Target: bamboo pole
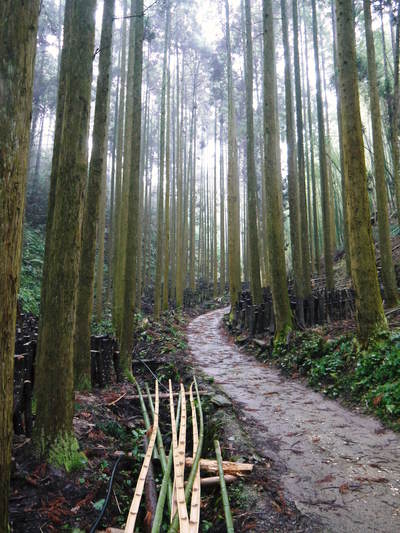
x,y
133,511
224,492
194,522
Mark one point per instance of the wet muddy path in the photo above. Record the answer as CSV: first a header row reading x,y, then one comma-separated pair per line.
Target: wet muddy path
x,y
336,464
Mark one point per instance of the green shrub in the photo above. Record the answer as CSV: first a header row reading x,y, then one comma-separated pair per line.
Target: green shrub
x,y
31,270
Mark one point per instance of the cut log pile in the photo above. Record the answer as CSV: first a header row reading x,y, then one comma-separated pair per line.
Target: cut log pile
x,y
105,368
322,307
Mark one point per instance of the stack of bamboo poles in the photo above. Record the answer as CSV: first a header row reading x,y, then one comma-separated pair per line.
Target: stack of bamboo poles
x,y
178,492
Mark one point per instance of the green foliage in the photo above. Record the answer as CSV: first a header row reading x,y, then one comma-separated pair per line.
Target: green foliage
x,y
64,453
31,270
104,327
340,367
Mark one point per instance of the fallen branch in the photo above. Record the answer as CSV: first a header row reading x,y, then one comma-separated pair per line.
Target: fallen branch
x,y
117,400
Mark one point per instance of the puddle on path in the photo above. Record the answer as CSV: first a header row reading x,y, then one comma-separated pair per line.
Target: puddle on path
x,y
339,465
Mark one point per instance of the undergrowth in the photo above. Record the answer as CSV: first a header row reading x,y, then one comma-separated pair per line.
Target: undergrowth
x,y
31,270
65,453
339,367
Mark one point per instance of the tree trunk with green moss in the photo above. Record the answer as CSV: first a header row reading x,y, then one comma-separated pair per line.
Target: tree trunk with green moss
x,y
370,315
116,310
133,201
233,182
273,190
304,233
255,281
18,31
56,332
385,245
160,200
323,164
293,177
98,163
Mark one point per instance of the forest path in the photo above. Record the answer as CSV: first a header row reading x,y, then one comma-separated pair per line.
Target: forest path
x,y
339,465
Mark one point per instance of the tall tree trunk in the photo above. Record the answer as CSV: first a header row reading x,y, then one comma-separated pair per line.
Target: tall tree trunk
x,y
283,317
370,316
98,162
179,187
222,280
395,118
254,257
17,57
167,195
128,132
323,165
293,177
385,245
99,282
312,160
133,202
342,166
160,202
305,237
117,281
56,331
233,182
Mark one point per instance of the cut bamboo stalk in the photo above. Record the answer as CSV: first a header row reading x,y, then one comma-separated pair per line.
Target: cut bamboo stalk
x,y
196,492
175,523
163,490
174,446
160,447
134,509
165,395
224,492
145,414
179,462
211,466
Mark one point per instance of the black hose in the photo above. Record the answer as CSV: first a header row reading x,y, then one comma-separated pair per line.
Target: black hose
x,y
110,485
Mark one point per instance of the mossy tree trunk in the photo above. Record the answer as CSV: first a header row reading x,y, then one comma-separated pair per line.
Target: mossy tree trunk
x,y
160,201
293,177
98,164
385,245
283,316
323,164
233,181
370,316
304,233
255,281
116,311
54,371
18,29
222,278
167,196
133,201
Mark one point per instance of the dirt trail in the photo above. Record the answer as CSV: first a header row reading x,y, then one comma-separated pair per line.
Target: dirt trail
x,y
338,465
